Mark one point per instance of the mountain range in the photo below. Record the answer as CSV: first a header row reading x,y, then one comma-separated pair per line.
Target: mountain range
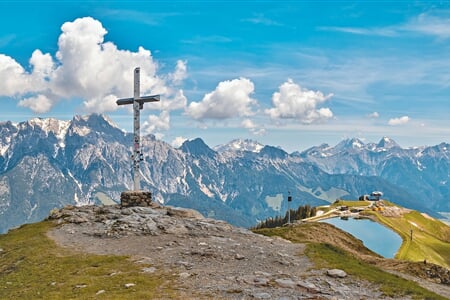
x,y
49,163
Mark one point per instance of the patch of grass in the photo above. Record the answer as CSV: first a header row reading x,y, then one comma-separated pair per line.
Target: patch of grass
x,y
34,267
325,255
350,203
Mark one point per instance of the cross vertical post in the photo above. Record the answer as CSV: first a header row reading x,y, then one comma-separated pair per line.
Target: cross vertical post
x,y
136,130
138,104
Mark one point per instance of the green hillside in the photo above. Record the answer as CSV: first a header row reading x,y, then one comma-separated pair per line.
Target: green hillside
x,y
430,240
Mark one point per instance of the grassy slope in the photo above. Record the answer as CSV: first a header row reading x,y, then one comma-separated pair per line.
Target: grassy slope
x,y
327,255
430,240
33,267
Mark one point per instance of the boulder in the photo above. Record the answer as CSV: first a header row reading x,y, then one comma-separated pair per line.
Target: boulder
x,y
336,273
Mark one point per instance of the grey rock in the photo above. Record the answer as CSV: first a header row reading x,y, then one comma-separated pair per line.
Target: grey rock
x,y
239,256
310,287
77,219
261,281
262,273
262,295
80,286
149,270
336,273
286,283
185,264
184,212
184,275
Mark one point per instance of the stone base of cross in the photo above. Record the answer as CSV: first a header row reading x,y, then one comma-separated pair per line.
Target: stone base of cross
x,y
138,104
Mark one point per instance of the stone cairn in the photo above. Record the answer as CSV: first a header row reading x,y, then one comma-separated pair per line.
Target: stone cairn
x,y
135,198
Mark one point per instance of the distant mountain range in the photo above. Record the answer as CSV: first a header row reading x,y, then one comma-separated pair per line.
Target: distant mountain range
x,y
48,163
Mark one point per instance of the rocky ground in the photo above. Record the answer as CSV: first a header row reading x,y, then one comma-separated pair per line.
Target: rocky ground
x,y
210,259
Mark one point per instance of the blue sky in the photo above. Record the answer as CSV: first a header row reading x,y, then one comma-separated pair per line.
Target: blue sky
x,y
286,73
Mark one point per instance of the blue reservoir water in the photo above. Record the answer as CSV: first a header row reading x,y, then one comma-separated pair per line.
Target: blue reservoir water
x,y
375,236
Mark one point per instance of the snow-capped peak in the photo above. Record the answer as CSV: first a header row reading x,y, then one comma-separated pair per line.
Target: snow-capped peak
x,y
353,143
387,143
57,127
239,145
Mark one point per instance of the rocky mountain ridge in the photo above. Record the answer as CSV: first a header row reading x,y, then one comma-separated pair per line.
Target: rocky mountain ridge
x,y
47,163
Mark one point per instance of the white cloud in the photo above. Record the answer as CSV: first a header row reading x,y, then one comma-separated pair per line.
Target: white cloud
x,y
180,73
252,127
104,104
398,121
295,102
174,101
154,123
374,115
247,123
13,77
387,31
87,68
42,63
230,99
178,141
429,25
424,24
261,19
38,104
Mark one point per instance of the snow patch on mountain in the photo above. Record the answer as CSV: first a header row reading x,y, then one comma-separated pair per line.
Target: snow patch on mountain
x,y
239,145
386,143
274,202
205,190
81,130
3,149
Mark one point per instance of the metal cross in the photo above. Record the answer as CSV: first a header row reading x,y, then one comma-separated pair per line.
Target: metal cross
x,y
138,104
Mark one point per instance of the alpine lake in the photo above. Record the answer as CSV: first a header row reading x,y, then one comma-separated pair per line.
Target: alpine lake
x,y
375,236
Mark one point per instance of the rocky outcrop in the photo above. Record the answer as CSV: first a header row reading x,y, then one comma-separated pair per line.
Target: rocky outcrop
x,y
209,258
135,198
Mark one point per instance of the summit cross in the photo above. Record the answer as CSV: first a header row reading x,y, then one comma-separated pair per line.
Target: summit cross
x,y
138,104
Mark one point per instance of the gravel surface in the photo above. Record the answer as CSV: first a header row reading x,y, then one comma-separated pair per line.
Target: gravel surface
x,y
210,258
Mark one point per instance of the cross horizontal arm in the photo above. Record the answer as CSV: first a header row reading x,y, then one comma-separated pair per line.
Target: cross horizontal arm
x,y
141,100
125,101
153,98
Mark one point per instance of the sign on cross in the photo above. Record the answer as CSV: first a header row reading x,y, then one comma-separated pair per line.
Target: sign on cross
x,y
138,104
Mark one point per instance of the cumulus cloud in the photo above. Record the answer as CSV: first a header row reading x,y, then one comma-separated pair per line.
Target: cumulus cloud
x,y
247,123
230,99
294,102
87,68
178,141
38,104
14,79
155,123
374,115
398,121
180,73
177,101
252,127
